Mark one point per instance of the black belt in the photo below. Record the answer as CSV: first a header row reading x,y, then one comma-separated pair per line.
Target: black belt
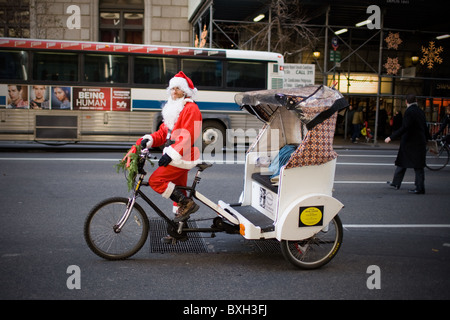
x,y
169,143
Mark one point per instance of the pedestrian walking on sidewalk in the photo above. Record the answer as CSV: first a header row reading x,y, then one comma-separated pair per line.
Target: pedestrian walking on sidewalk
x,y
357,122
412,151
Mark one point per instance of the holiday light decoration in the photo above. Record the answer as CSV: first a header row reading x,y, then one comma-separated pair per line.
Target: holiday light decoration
x,y
431,55
393,40
392,66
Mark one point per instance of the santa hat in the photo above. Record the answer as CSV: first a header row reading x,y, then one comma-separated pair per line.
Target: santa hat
x,y
182,81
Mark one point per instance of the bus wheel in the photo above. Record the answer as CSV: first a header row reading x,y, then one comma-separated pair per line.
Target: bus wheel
x,y
213,135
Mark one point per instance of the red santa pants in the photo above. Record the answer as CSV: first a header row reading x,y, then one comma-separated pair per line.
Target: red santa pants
x,y
164,179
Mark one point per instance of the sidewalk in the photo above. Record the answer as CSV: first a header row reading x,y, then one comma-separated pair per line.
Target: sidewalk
x,y
18,146
341,143
60,146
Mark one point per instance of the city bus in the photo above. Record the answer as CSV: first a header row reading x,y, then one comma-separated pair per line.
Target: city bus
x,y
52,90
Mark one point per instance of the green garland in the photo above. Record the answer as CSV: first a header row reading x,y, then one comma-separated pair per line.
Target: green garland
x,y
130,163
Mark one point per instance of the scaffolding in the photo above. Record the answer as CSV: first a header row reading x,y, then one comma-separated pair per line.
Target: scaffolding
x,y
433,100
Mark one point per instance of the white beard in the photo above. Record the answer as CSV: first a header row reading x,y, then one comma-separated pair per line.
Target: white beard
x,y
171,111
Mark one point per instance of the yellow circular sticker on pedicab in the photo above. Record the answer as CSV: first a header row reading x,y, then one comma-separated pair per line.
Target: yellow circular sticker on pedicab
x,y
311,216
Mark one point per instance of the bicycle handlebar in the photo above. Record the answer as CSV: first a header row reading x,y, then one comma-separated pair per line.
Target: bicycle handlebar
x,y
145,153
143,157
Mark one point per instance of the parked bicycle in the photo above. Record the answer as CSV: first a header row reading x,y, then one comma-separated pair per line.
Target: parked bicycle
x,y
438,156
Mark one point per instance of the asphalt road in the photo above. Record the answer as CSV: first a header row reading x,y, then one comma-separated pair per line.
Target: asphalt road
x,y
46,196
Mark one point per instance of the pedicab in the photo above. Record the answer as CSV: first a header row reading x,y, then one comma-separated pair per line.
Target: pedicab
x,y
287,193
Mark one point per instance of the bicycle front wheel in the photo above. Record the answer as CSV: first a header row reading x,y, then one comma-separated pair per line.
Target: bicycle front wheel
x,y
314,252
108,243
437,161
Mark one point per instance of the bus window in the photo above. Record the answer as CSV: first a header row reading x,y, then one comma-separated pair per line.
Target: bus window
x,y
13,65
206,73
246,74
55,66
106,68
154,70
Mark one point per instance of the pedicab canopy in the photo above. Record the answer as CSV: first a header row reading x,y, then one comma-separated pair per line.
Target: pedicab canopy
x,y
304,117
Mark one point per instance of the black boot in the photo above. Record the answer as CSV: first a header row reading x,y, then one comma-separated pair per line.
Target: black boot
x,y
177,196
186,206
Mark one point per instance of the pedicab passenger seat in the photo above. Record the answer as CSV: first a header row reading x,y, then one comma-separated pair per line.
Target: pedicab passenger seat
x,y
264,180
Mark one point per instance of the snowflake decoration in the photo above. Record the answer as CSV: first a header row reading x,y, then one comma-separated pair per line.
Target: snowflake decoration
x,y
393,40
431,55
392,66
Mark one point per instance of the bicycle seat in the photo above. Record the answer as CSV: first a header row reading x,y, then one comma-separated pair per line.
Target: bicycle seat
x,y
204,165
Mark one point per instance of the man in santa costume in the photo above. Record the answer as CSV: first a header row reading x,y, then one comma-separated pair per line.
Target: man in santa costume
x,y
182,125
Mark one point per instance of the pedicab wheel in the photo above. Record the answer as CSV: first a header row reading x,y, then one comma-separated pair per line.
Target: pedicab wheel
x,y
314,252
105,240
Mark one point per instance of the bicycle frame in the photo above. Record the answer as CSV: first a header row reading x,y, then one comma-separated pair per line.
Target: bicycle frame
x,y
180,228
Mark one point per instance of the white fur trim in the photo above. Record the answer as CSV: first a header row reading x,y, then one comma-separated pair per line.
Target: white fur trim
x,y
177,160
183,85
171,152
183,164
168,192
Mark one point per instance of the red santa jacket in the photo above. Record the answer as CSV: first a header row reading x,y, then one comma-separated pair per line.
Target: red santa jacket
x,y
185,132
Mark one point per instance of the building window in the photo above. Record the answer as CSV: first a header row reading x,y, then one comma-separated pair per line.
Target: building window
x,y
122,22
15,18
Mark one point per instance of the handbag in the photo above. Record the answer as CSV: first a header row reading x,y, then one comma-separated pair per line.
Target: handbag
x,y
364,131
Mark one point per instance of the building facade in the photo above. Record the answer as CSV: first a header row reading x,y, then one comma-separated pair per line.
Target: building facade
x,y
374,64
161,22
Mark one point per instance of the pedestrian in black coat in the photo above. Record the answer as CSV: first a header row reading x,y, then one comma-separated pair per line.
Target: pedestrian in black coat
x,y
412,152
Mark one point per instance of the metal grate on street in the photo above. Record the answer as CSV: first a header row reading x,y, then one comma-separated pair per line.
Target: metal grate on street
x,y
158,230
196,244
267,246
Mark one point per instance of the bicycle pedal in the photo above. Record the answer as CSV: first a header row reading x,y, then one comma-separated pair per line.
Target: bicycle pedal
x,y
180,227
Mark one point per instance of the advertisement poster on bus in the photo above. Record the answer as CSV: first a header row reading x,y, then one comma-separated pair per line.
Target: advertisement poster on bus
x,y
61,98
3,95
95,99
121,99
39,97
14,96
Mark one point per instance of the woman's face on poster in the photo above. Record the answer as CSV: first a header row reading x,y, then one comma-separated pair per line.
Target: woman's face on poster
x,y
59,94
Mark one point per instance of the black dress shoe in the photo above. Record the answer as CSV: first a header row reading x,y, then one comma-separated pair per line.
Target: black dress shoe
x,y
415,191
396,187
